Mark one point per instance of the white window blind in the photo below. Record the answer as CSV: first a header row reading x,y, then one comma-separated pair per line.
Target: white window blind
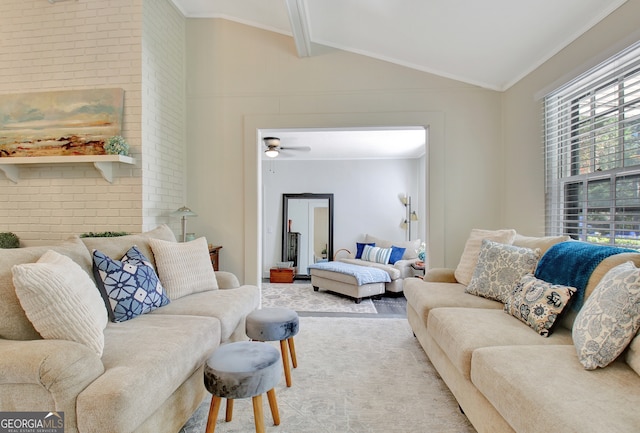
x,y
592,150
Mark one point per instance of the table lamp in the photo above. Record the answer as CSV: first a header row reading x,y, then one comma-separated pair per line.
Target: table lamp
x,y
184,212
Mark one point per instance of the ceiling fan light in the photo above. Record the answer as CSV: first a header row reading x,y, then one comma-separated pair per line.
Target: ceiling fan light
x,y
271,152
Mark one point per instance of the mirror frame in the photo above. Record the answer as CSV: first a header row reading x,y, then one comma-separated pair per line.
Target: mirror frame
x,y
285,211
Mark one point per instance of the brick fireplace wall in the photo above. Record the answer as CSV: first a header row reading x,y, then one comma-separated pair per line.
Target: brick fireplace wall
x,y
84,44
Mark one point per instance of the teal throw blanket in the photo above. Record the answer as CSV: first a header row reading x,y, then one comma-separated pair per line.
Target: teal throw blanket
x,y
571,264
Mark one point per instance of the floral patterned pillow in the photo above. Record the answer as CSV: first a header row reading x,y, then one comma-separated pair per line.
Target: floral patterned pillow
x,y
538,303
609,318
130,286
499,268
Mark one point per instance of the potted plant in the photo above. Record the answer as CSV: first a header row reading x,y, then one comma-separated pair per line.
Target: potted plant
x,y
9,240
116,145
103,234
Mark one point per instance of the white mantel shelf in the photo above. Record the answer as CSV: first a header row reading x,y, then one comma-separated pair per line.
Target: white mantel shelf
x,y
103,163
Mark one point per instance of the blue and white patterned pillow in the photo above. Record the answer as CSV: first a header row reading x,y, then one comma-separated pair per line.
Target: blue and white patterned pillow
x,y
376,254
130,286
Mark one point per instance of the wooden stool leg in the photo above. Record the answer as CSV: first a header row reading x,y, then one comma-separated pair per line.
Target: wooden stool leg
x,y
257,413
214,407
292,349
273,404
229,414
285,361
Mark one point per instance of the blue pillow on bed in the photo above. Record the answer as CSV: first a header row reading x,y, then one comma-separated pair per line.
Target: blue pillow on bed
x,y
360,248
396,254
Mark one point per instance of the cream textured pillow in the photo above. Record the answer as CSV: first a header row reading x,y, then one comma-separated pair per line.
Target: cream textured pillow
x,y
469,259
61,300
543,243
609,318
499,268
184,268
14,323
119,245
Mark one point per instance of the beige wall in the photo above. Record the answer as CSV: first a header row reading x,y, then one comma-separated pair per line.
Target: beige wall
x,y
523,125
240,79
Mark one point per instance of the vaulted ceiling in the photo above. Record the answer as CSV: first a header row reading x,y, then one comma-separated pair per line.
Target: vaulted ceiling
x,y
489,43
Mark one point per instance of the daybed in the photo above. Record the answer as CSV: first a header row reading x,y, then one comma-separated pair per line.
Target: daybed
x,y
143,373
398,269
506,376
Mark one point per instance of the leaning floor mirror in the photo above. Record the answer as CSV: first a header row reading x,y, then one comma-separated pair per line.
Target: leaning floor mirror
x,y
307,231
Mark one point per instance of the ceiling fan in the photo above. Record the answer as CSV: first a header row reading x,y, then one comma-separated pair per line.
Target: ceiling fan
x,y
274,148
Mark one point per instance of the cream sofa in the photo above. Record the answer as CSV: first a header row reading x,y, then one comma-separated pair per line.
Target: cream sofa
x,y
149,377
508,378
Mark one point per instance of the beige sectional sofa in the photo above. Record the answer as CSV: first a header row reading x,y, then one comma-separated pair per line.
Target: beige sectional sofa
x,y
148,377
505,376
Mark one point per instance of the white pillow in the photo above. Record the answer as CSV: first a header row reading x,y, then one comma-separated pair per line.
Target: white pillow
x,y
469,260
184,268
376,254
61,300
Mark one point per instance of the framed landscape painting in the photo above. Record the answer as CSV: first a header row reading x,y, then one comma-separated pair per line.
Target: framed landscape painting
x,y
69,122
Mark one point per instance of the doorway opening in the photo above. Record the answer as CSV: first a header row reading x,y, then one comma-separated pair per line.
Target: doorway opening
x,y
366,168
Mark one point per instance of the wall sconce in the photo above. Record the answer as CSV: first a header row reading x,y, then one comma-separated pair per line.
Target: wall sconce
x,y
184,212
411,215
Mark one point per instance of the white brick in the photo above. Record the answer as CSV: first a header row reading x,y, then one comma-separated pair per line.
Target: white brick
x,y
87,44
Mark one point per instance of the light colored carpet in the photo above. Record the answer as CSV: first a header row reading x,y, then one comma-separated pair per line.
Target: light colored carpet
x,y
354,375
302,297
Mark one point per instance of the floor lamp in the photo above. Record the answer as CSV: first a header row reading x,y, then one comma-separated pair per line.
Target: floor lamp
x,y
184,212
411,215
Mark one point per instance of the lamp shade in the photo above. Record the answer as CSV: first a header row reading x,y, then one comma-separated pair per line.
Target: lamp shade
x,y
183,211
271,152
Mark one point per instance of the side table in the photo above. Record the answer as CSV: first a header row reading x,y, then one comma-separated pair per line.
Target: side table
x,y
214,255
281,275
418,269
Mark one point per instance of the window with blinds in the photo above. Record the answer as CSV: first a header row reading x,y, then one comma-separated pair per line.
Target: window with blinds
x,y
592,146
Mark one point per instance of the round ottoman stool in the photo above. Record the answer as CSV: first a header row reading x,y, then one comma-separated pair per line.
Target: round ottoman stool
x,y
241,370
276,324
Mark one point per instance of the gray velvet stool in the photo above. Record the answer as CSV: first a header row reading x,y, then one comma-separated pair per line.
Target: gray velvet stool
x,y
276,324
242,370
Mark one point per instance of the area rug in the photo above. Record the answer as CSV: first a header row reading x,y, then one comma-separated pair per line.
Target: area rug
x,y
302,298
354,375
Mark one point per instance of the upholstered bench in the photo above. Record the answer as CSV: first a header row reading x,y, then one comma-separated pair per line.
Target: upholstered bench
x,y
351,280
